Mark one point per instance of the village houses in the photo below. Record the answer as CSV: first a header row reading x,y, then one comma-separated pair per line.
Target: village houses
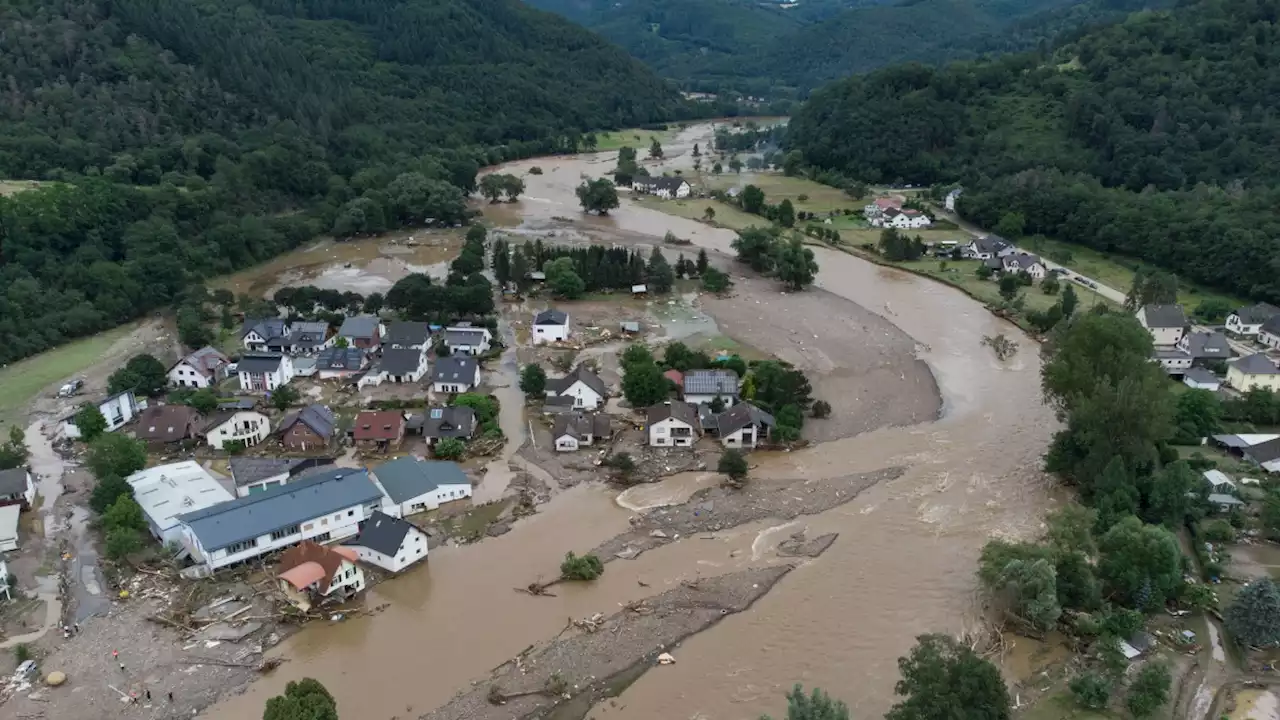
x,y
203,368
663,187
405,365
1253,371
573,430
257,332
743,426
456,421
309,573
9,517
466,339
1024,263
1248,321
390,543
118,409
340,363
166,492
672,424
874,211
164,425
308,429
17,487
264,372
378,430
1166,323
550,326
404,335
1201,379
908,219
455,374
414,485
362,331
225,427
704,386
988,247
585,388
1269,333
256,474
328,505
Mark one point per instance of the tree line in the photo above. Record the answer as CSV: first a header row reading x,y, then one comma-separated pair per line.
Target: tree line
x,y
1079,143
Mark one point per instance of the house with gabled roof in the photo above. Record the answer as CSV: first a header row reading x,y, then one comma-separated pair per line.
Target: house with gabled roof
x,y
672,424
308,574
549,326
1253,371
223,428
257,474
403,365
573,430
17,487
118,409
663,187
415,485
455,421
1269,333
303,338
308,429
389,542
455,374
362,331
988,247
744,426
705,385
1166,323
402,334
264,372
258,332
467,339
378,430
1020,262
337,363
162,425
1248,320
585,387
201,369
1205,347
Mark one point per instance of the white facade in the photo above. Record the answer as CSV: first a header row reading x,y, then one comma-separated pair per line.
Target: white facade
x,y
671,432
695,399
468,340
905,221
340,524
270,380
184,375
430,500
584,397
413,548
27,494
263,484
950,201
1236,325
459,385
746,437
1173,361
118,409
9,527
413,376
551,332
166,491
1161,335
1271,340
1195,382
248,425
568,442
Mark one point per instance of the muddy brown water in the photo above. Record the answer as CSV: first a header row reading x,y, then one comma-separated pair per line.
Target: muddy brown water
x,y
903,564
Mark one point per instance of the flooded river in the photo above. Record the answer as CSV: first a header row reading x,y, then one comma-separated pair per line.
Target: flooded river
x,y
903,564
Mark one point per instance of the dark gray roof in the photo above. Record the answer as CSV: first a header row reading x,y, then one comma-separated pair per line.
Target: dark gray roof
x,y
707,419
1208,345
1201,375
1258,364
582,374
400,362
317,417
1259,313
258,363
403,332
579,423
468,336
1164,316
359,326
308,334
408,477
382,533
247,470
268,328
280,507
206,361
681,411
240,403
551,317
340,359
455,421
1264,452
742,415
13,481
455,369
1024,261
1271,326
990,243
716,381
659,183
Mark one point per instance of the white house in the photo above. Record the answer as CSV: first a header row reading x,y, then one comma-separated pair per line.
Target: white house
x,y
224,426
415,485
1025,262
874,211
407,365
403,334
118,409
744,426
988,247
1253,371
257,332
264,372
310,573
467,340
455,374
329,505
1201,379
9,527
902,219
550,326
1248,321
200,369
949,202
1166,323
585,387
1269,333
391,543
672,424
573,430
1172,360
17,487
166,491
1218,481
702,387
663,187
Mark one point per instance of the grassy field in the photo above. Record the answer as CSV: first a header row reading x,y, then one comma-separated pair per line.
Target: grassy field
x,y
962,274
1114,271
12,187
21,381
1060,706
635,137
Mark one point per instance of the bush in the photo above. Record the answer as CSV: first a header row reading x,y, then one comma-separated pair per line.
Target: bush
x,y
449,449
585,567
1092,691
1149,691
1218,531
821,409
21,653
122,542
535,170
733,464
485,406
533,380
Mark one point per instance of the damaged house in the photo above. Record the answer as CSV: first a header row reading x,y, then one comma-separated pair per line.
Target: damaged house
x,y
309,574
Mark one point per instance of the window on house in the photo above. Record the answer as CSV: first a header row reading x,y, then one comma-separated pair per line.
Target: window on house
x,y
283,533
350,513
242,546
322,537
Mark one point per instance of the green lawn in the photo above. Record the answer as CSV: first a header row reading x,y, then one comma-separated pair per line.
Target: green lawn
x,y
778,187
635,137
1059,706
21,381
1114,271
962,273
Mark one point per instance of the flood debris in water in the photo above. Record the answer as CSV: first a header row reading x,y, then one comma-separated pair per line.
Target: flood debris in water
x,y
583,662
799,546
717,508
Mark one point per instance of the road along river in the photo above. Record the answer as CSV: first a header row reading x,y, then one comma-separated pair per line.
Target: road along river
x,y
903,563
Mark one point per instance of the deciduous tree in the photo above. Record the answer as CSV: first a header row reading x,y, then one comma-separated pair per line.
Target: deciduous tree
x,y
943,679
116,454
733,465
598,196
304,699
818,706
1254,616
90,422
533,380
796,265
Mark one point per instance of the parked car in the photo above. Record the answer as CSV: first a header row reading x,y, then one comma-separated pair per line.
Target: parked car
x,y
70,388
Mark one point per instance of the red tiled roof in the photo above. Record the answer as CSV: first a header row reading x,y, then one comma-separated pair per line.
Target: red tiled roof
x,y
308,562
674,376
378,425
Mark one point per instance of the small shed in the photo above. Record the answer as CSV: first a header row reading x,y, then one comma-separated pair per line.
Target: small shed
x,y
630,327
639,290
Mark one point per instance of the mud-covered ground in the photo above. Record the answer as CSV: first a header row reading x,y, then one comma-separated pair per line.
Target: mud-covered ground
x,y
583,662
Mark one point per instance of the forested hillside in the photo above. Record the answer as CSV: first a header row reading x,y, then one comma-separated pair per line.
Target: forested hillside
x,y
191,137
1157,138
765,48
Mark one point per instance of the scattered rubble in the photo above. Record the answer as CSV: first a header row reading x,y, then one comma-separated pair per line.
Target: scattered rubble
x,y
798,546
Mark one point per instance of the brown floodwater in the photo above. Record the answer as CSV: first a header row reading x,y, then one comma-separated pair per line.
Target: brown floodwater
x,y
903,564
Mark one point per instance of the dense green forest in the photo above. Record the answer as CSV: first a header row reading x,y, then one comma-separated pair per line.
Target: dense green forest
x,y
1156,138
185,138
768,49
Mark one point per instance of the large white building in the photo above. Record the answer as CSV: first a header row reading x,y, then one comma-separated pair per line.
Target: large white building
x,y
167,491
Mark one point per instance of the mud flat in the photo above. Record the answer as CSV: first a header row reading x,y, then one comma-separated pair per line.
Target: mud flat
x,y
623,644
717,508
